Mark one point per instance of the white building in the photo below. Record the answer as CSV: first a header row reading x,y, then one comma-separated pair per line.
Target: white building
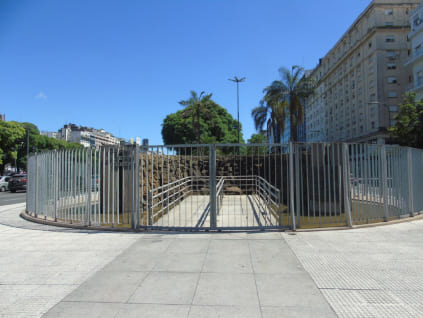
x,y
361,80
86,136
315,115
51,134
416,61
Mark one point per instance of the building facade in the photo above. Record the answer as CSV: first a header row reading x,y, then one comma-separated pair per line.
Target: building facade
x,y
416,60
361,80
86,136
51,134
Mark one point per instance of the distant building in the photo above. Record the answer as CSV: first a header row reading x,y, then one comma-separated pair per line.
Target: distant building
x,y
51,134
361,80
416,60
86,136
2,117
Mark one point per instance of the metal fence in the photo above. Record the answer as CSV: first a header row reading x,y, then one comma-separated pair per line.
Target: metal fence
x,y
219,187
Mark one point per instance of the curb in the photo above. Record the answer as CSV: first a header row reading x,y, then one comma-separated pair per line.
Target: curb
x,y
29,217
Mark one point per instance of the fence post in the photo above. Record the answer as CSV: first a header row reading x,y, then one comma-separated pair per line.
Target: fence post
x,y
136,194
36,184
291,185
410,181
212,184
55,182
347,191
89,185
384,182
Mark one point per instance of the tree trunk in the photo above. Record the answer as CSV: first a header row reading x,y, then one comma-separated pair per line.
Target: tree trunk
x,y
293,129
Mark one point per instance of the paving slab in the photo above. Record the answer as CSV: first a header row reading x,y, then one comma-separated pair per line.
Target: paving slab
x,y
166,288
369,272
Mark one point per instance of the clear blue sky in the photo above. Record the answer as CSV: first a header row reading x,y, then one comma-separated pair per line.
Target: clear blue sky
x,y
124,65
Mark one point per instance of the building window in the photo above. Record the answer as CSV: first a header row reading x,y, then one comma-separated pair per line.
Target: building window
x,y
391,66
373,124
392,94
391,54
392,80
390,38
389,12
393,108
419,78
370,44
389,23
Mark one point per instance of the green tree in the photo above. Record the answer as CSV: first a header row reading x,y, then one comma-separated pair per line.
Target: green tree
x,y
287,96
259,138
14,138
408,129
272,115
11,135
215,125
196,106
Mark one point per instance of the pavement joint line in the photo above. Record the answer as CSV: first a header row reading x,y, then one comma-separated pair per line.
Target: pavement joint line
x,y
310,276
254,275
199,277
135,289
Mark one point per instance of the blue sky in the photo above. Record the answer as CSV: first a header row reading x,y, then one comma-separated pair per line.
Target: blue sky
x,y
124,65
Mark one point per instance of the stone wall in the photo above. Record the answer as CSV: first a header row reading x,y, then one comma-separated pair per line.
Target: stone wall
x,y
320,174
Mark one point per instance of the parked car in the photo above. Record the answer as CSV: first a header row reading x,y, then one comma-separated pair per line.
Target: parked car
x,y
4,183
18,182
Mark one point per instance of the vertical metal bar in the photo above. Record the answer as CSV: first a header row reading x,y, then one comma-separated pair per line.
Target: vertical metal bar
x,y
319,197
291,185
410,182
137,186
347,192
212,185
383,181
117,188
90,183
112,165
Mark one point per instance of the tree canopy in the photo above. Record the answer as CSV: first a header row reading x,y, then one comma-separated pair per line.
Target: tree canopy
x,y
201,121
13,143
408,129
284,98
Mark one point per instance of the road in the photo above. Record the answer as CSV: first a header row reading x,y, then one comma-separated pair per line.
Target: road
x,y
7,198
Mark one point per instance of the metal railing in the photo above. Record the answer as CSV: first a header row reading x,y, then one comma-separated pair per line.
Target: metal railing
x,y
226,186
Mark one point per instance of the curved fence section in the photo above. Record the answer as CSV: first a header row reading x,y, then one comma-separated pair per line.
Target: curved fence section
x,y
218,187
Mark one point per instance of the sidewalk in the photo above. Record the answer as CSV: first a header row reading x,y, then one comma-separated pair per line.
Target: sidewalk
x,y
55,272
199,275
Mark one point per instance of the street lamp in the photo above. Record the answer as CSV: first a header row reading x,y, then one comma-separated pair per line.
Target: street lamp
x,y
237,81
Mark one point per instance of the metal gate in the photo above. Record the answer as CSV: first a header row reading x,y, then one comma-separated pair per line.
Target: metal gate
x,y
206,187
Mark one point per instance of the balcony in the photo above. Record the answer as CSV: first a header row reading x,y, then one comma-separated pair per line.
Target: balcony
x,y
416,86
417,55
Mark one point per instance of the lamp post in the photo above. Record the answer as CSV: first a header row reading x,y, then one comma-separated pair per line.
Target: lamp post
x,y
237,81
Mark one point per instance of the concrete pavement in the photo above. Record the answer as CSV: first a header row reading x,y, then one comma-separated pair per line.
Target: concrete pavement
x,y
372,272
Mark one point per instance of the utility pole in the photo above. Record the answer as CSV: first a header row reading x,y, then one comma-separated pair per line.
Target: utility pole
x,y
237,81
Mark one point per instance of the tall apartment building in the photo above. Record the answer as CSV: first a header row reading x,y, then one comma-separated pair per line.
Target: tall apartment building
x,y
416,60
360,81
86,136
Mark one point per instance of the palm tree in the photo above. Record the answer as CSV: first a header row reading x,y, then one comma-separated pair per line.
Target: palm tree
x,y
195,105
294,88
271,114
